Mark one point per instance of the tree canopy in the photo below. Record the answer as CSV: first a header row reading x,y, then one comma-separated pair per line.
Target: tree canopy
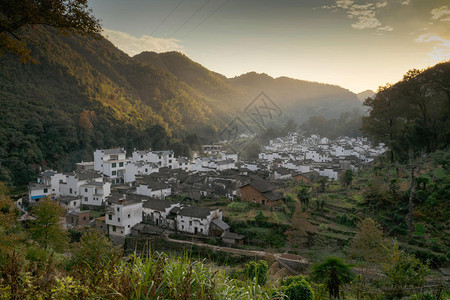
x,y
66,15
413,113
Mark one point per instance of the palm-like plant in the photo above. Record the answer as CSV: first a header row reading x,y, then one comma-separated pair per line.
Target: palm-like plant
x,y
333,272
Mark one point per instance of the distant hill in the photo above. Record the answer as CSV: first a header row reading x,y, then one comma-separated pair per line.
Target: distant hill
x,y
365,94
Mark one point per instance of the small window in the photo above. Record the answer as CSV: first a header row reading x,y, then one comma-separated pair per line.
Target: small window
x,y
113,173
128,226
85,199
190,223
84,218
121,164
113,165
114,228
85,190
170,161
129,216
45,190
118,219
70,191
146,170
118,209
109,217
182,227
142,156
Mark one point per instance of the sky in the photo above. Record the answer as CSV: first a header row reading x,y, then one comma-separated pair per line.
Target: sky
x,y
355,44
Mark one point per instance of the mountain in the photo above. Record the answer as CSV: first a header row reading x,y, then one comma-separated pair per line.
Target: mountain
x,y
84,93
298,99
365,94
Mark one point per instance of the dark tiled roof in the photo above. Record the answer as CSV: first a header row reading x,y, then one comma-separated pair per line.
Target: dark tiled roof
x,y
232,235
155,185
273,196
196,212
127,199
220,223
262,185
114,151
157,204
67,199
88,174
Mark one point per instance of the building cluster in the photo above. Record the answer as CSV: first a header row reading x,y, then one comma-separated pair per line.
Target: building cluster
x,y
132,190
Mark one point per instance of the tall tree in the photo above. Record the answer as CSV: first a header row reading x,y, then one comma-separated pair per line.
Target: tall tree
x,y
333,272
297,235
47,229
65,15
368,243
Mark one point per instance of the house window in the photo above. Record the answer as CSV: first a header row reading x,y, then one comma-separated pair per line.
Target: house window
x,y
110,217
70,191
113,173
146,170
128,226
113,165
114,228
118,219
142,156
170,161
190,223
129,216
45,190
85,190
182,227
84,218
118,209
85,199
121,164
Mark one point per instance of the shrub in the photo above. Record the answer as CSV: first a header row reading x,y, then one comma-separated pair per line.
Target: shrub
x,y
257,270
237,206
298,289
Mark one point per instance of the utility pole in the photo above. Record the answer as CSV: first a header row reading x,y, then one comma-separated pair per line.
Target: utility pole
x,y
411,194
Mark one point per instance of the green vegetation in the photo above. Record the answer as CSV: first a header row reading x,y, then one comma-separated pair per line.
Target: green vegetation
x,y
333,272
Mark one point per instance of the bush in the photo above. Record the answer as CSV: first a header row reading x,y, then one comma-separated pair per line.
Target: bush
x,y
237,206
257,270
298,289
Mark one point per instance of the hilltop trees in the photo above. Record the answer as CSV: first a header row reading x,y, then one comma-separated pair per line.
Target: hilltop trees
x,y
413,113
67,16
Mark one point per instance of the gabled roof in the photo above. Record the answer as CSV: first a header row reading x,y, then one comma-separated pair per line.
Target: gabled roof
x,y
273,196
195,212
157,204
261,185
87,174
220,223
125,200
114,151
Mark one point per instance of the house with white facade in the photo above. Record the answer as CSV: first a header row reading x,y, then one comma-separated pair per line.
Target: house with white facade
x,y
111,162
196,220
70,202
182,163
146,186
94,193
133,169
156,211
73,181
123,212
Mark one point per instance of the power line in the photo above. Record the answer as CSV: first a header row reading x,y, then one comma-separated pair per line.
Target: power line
x,y
165,19
205,19
190,18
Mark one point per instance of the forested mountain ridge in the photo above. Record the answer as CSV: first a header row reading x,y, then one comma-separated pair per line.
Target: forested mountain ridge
x,y
413,114
84,94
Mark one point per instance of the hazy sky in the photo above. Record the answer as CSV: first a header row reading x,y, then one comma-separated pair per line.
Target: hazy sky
x,y
356,44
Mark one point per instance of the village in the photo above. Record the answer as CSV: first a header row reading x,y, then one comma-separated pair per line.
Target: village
x,y
139,195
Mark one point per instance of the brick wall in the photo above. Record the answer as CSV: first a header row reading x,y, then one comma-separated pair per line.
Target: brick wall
x,y
252,195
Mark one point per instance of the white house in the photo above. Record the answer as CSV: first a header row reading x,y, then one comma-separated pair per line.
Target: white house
x,y
182,163
52,179
36,191
69,202
155,211
153,189
111,162
94,193
123,212
73,181
196,220
133,169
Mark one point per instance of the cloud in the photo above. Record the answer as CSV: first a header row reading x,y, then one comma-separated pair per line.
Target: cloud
x,y
385,28
405,2
442,13
133,45
441,48
364,15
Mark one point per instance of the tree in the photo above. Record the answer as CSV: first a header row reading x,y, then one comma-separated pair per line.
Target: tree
x,y
323,183
47,229
333,272
297,235
303,196
348,177
94,249
368,243
403,271
66,15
